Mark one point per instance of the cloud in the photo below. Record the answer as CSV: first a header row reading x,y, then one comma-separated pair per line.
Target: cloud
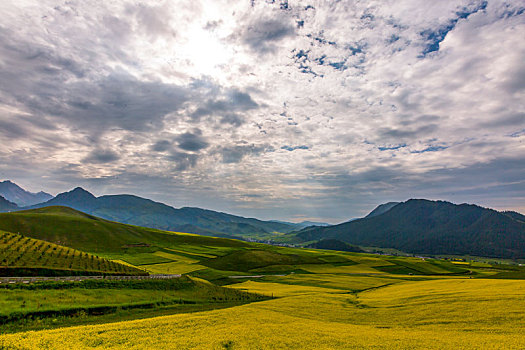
x,y
235,154
263,109
261,35
226,104
101,156
161,145
183,161
192,141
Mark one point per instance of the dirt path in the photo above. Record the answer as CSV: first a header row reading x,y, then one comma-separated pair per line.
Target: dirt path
x,y
13,280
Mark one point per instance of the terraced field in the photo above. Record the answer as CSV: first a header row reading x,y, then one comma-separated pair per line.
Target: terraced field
x,y
21,255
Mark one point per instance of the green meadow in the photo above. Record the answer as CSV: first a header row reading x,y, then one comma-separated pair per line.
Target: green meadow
x,y
242,295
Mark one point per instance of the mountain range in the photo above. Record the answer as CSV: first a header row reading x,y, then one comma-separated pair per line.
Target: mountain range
x,y
432,227
416,226
22,198
139,211
6,205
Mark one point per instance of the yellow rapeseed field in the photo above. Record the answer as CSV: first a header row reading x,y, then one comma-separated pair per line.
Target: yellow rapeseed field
x,y
433,314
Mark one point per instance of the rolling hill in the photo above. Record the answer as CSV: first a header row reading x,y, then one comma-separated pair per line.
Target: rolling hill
x,y
139,211
85,232
211,258
21,255
14,193
335,244
432,227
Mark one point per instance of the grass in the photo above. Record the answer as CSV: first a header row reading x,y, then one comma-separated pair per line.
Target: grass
x,y
84,232
71,300
445,313
21,255
323,299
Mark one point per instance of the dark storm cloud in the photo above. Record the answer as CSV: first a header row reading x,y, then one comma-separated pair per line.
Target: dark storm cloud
x,y
192,141
118,100
101,156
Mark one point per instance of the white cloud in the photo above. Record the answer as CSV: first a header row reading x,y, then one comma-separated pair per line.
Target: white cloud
x,y
184,96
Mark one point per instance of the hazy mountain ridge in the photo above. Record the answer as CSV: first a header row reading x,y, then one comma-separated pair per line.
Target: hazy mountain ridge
x,y
139,211
515,215
382,208
432,227
14,193
6,205
414,226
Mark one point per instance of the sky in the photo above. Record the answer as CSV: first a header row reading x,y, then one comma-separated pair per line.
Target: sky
x,y
291,110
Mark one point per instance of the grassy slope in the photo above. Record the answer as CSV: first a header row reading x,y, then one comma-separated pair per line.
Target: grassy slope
x,y
89,233
333,299
207,257
21,255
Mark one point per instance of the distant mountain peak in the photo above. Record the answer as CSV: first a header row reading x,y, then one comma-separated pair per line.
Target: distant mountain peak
x,y
78,198
423,226
78,192
6,205
383,208
16,194
79,189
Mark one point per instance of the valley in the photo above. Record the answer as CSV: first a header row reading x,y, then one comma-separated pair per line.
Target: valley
x,y
304,297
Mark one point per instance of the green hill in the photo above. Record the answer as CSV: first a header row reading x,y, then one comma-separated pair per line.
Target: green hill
x,y
211,258
21,255
335,244
85,232
432,227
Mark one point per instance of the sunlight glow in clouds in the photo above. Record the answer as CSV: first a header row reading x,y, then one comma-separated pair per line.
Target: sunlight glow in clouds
x,y
283,110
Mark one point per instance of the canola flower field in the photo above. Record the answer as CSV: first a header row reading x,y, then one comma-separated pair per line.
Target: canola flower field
x,y
436,313
299,298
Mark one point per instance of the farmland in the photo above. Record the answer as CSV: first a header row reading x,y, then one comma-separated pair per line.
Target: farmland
x,y
246,295
21,255
434,314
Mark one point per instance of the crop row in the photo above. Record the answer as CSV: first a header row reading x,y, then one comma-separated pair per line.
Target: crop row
x,y
19,251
